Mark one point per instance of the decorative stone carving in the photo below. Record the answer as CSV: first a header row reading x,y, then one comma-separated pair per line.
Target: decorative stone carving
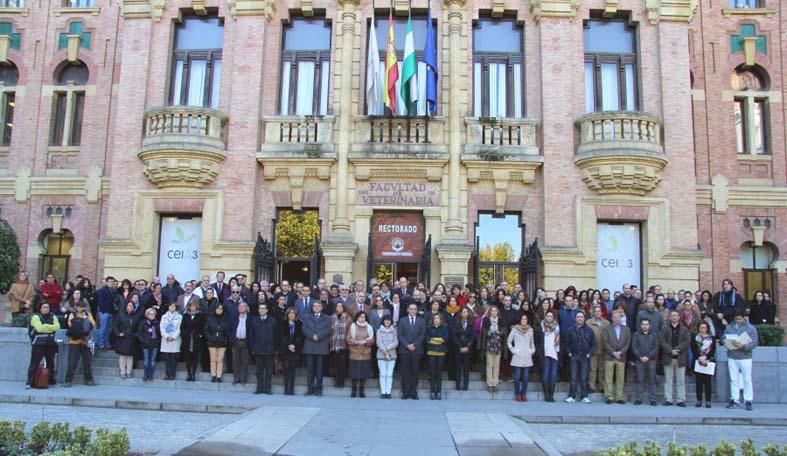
x,y
199,7
252,8
620,152
22,184
720,193
291,174
610,8
553,8
183,146
93,184
142,9
307,8
502,174
498,7
670,10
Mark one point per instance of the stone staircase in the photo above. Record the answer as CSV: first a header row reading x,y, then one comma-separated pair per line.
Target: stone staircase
x,y
105,372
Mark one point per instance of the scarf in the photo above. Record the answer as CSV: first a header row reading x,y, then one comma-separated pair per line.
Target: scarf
x,y
704,342
547,328
523,329
688,317
369,330
493,327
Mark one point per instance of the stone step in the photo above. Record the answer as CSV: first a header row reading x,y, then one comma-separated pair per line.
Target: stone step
x,y
448,392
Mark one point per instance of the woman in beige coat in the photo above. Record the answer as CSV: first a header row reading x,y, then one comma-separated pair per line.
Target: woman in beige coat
x,y
522,348
21,294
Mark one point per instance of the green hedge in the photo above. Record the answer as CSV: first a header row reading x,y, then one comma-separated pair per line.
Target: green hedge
x,y
770,335
58,439
724,448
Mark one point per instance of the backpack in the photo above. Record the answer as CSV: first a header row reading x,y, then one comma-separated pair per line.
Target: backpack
x,y
79,329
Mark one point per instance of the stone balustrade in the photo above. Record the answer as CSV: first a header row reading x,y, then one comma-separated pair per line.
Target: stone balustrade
x,y
620,152
183,146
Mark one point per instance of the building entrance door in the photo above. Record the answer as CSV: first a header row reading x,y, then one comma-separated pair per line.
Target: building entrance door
x,y
391,272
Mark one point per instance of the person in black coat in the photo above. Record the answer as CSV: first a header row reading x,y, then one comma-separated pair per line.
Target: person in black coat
x,y
463,340
192,328
217,329
149,336
761,311
263,340
125,331
290,346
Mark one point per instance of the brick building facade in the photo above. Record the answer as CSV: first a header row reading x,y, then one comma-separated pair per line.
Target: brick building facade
x,y
646,137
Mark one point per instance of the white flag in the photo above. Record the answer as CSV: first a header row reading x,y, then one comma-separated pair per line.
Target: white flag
x,y
373,75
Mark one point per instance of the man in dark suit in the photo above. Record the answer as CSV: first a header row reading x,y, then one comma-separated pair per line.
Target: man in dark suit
x,y
263,340
411,331
316,334
405,294
222,289
304,304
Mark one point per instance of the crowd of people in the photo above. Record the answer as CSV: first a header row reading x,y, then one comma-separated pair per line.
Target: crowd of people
x,y
590,338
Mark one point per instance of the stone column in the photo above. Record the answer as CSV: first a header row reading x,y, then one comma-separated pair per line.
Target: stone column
x,y
453,228
338,248
454,251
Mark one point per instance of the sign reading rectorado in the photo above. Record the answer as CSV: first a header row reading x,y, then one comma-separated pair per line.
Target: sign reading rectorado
x,y
401,194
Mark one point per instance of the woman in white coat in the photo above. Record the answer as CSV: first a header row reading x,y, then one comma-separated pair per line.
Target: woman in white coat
x,y
170,340
522,347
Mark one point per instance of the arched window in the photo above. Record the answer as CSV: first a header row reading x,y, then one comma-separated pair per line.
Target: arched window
x,y
56,255
68,105
758,272
751,110
9,76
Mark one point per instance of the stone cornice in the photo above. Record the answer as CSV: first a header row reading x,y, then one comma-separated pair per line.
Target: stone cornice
x,y
745,196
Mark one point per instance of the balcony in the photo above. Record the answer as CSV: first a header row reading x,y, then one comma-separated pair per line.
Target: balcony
x,y
399,137
492,139
306,137
620,152
183,146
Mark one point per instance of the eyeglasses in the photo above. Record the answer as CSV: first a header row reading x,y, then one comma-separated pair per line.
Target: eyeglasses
x,y
236,292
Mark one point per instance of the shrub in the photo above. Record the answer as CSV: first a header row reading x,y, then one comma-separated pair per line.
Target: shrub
x,y
47,439
9,256
770,335
724,448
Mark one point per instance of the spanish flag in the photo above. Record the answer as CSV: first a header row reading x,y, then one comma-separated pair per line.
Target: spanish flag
x,y
391,68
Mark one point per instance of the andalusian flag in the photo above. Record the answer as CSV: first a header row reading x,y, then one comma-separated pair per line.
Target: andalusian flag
x,y
391,67
409,72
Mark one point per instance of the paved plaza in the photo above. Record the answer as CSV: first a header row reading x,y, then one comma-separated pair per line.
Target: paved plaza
x,y
174,422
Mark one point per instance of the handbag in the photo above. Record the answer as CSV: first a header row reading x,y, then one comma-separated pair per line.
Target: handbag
x,y
41,377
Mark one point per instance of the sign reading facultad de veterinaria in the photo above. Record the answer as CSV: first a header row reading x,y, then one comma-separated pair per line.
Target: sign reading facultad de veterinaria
x,y
400,194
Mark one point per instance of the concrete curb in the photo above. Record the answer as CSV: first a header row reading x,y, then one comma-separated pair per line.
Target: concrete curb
x,y
687,420
129,405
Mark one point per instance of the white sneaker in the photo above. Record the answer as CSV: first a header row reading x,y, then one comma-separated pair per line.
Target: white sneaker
x,y
570,400
586,400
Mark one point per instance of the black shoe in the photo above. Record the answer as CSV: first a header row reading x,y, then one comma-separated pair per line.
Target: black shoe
x,y
309,393
218,379
698,404
361,393
653,403
405,396
667,403
609,401
354,393
439,396
749,406
318,393
258,392
213,379
620,401
707,404
431,395
414,396
681,404
732,404
638,402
